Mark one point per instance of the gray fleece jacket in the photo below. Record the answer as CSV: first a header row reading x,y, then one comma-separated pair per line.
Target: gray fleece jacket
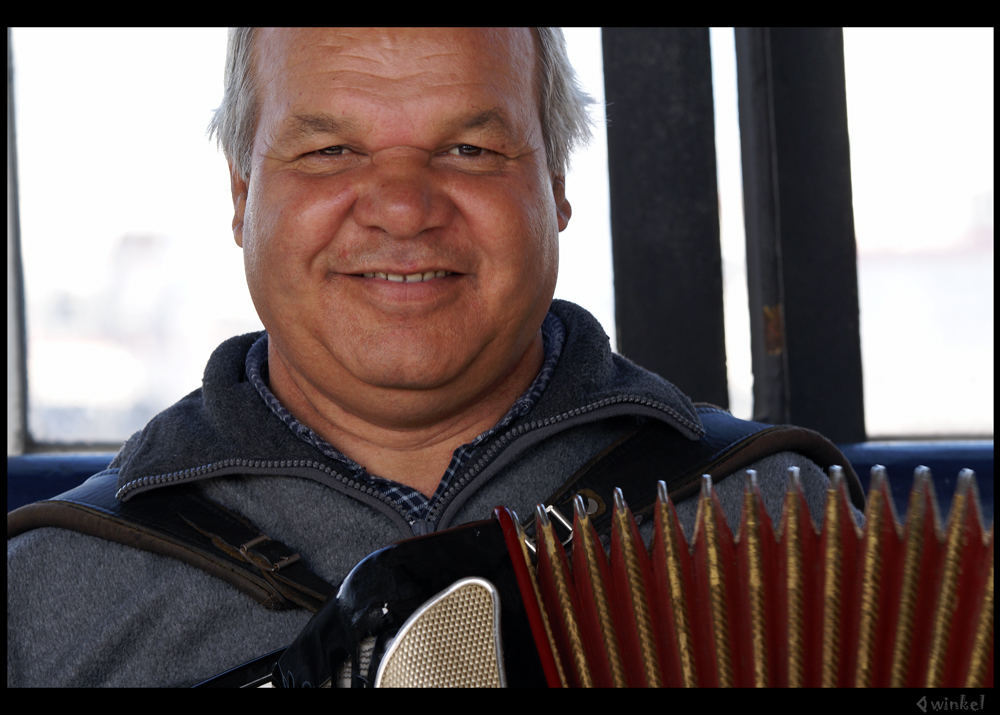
x,y
82,611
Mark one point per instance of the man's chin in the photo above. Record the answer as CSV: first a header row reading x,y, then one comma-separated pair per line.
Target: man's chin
x,y
412,367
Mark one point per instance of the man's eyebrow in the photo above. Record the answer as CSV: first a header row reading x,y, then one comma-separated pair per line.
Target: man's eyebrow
x,y
492,119
303,125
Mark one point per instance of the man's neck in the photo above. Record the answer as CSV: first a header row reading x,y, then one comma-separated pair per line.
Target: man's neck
x,y
404,437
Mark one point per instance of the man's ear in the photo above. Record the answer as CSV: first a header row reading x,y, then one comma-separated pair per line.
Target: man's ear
x,y
238,186
563,209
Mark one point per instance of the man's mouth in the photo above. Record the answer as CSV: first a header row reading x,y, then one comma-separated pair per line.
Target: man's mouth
x,y
408,277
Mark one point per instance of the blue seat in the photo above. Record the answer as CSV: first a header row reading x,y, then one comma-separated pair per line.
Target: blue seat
x,y
32,477
944,458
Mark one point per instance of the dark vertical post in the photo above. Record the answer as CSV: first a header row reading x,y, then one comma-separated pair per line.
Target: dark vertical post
x,y
664,206
801,255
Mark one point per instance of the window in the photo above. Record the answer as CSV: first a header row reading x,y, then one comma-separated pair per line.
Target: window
x,y
130,273
920,116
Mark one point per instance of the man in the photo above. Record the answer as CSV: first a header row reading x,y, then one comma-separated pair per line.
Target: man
x,y
398,196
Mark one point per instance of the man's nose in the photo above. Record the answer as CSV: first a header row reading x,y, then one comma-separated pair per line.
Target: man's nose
x,y
400,195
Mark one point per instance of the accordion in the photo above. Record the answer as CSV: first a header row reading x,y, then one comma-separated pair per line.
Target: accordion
x,y
888,604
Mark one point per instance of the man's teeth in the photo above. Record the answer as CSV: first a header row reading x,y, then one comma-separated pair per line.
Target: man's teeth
x,y
408,278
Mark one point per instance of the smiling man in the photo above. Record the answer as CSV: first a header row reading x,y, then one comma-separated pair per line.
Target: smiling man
x,y
398,196
399,223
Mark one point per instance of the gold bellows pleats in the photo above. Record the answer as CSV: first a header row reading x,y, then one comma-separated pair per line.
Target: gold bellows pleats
x,y
887,605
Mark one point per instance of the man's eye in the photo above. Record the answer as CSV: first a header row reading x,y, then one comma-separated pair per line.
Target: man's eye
x,y
467,150
336,150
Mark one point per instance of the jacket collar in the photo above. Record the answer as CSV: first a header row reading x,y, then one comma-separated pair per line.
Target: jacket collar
x,y
226,422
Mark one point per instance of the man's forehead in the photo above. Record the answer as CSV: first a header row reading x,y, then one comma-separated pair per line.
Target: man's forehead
x,y
312,77
388,50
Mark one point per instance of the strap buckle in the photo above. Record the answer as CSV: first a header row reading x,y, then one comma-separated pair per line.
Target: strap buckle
x,y
263,562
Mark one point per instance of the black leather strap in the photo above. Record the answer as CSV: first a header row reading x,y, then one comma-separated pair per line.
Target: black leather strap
x,y
181,523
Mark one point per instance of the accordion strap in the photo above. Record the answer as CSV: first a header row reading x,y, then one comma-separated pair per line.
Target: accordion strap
x,y
183,524
653,452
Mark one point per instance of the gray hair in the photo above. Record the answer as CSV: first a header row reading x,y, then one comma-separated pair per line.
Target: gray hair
x,y
562,103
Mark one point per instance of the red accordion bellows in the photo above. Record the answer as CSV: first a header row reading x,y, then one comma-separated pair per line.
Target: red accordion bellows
x,y
890,604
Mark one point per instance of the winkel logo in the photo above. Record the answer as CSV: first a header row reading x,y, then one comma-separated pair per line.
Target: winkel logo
x,y
945,704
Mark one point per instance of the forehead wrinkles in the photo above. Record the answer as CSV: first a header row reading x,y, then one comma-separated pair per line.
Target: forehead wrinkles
x,y
400,62
424,49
